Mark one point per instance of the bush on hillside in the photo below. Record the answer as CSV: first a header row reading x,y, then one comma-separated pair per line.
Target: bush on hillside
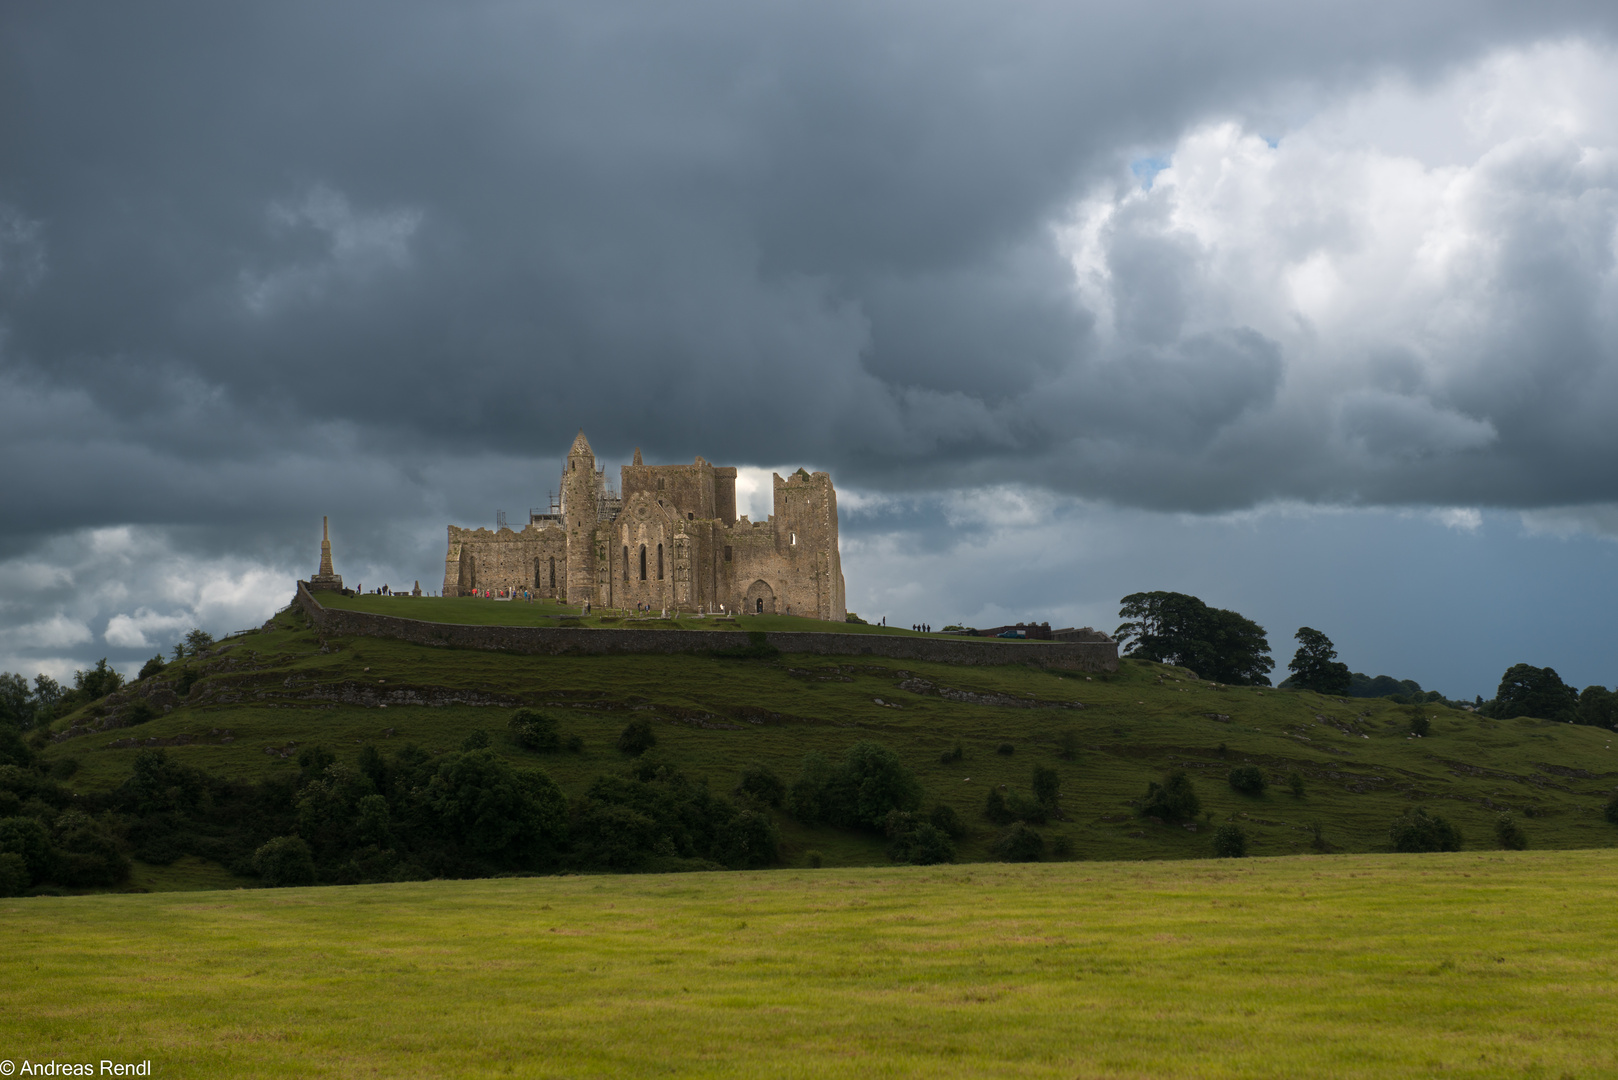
x,y
916,840
1248,779
1420,724
139,711
285,861
637,738
859,791
1508,834
86,853
946,820
1230,842
1296,785
1018,844
1175,799
154,666
534,730
952,755
28,840
1047,787
13,874
760,782
1005,807
1417,830
1005,748
1611,811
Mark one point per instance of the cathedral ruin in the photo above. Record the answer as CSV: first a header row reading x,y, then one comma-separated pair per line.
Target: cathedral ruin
x,y
671,540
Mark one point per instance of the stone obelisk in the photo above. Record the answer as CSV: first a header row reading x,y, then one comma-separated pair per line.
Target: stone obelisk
x,y
327,578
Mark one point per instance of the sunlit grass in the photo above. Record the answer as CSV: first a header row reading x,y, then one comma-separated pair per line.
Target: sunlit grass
x,y
1469,965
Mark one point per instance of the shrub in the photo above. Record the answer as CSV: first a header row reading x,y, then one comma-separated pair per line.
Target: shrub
x,y
1062,846
573,744
286,860
1175,799
1248,779
1611,812
952,755
996,809
945,819
1417,830
1019,844
917,841
637,738
1047,786
760,782
1508,834
859,791
814,859
1067,744
1005,748
13,874
477,740
1230,842
854,620
1419,723
27,839
1295,782
152,667
86,855
534,730
1317,833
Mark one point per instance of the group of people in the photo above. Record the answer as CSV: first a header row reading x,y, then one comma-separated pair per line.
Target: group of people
x,y
922,628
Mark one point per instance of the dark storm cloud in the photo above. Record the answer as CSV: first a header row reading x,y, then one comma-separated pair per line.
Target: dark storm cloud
x,y
256,260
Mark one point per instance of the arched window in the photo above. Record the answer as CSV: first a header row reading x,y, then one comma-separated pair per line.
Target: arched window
x,y
626,564
643,562
794,539
761,605
660,562
536,572
553,571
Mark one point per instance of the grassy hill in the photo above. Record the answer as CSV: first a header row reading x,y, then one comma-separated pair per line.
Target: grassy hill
x,y
260,697
1477,964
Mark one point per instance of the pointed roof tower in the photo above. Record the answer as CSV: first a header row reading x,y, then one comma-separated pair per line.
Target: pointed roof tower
x,y
637,456
581,446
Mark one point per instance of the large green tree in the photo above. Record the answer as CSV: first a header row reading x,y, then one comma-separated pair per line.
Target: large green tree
x,y
1173,628
1315,666
1539,692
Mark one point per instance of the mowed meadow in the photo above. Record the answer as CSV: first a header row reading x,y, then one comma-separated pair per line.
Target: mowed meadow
x,y
1476,964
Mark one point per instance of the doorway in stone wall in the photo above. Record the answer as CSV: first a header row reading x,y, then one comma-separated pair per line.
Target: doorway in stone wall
x,y
760,599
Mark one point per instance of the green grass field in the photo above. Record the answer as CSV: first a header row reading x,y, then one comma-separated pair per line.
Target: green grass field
x,y
269,692
1486,964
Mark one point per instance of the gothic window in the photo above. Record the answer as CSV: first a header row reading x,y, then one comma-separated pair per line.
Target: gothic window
x,y
553,571
643,562
536,572
626,564
727,552
794,539
761,605
690,517
660,486
660,562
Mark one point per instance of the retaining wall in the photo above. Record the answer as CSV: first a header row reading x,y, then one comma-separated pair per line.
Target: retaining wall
x,y
610,641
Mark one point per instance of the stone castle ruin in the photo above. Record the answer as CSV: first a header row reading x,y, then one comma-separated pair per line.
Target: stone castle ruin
x,y
671,540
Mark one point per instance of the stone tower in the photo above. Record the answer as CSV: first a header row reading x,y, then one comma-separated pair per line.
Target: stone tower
x,y
326,578
581,497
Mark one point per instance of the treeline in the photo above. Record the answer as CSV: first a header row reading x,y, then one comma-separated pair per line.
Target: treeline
x,y
1224,646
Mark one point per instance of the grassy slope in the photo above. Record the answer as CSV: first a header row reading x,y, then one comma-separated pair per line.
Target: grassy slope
x,y
1356,966
713,716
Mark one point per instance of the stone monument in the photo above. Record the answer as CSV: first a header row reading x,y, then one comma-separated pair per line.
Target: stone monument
x,y
327,579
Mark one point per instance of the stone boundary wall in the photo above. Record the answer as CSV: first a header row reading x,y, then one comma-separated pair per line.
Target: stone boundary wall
x,y
574,641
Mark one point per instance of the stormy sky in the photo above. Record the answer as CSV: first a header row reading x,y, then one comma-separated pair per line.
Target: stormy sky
x,y
1310,310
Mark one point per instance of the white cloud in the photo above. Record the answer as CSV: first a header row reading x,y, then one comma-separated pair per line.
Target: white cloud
x,y
129,631
358,245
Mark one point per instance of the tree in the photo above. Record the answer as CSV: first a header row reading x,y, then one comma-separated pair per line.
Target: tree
x,y
535,730
1230,842
154,666
1417,830
760,782
196,641
1248,779
1508,834
1598,707
1526,690
1175,799
286,860
1315,667
637,738
97,682
1174,628
16,703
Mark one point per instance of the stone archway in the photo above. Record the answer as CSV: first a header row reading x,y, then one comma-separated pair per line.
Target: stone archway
x,y
760,599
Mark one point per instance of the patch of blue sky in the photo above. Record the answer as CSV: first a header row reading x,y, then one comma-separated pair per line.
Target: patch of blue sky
x,y
1147,168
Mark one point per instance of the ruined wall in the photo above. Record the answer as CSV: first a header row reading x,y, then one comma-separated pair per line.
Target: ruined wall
x,y
806,541
563,641
687,490
505,559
